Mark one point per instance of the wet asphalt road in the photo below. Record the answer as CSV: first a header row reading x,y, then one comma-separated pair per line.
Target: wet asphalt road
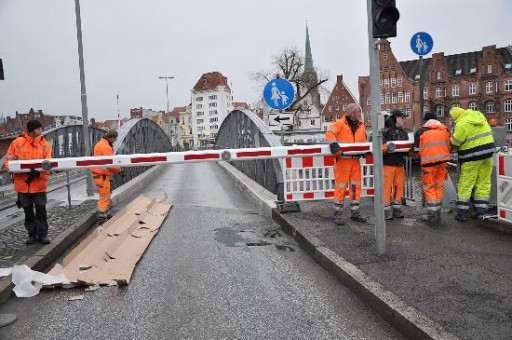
x,y
218,269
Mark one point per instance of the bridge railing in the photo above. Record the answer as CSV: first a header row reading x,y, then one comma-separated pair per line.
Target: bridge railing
x,y
244,129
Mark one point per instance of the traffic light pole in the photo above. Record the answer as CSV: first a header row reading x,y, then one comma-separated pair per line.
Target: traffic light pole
x,y
378,169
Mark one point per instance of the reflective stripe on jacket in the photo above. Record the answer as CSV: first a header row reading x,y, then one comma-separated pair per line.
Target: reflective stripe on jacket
x,y
434,147
473,136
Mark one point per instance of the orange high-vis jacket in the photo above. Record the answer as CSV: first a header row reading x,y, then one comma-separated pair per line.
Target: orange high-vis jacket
x,y
435,145
25,147
103,148
340,131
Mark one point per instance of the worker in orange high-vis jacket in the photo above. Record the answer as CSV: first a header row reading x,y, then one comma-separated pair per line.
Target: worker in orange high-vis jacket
x,y
432,142
31,187
347,170
101,176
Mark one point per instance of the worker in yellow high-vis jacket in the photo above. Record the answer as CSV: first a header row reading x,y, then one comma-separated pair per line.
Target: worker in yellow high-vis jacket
x,y
474,138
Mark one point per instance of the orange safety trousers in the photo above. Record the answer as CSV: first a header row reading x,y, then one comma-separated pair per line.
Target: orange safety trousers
x,y
103,184
394,180
433,178
347,172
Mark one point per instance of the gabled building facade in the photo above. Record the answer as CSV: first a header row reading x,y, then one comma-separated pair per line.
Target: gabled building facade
x,y
336,106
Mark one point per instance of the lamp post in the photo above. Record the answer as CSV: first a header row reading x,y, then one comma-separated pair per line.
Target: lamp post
x,y
85,119
167,88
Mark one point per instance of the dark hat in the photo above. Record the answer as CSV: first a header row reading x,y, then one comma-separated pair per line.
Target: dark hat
x,y
429,116
33,124
397,113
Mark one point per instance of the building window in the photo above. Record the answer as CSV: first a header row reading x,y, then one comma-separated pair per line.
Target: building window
x,y
473,105
385,56
214,97
393,82
407,97
400,97
426,109
214,104
488,87
368,101
200,113
330,108
199,106
489,106
439,75
508,85
440,110
386,101
393,98
456,105
399,82
489,68
199,99
381,83
381,99
472,88
200,121
439,91
407,111
425,93
313,122
337,107
507,105
508,124
344,107
455,90
386,83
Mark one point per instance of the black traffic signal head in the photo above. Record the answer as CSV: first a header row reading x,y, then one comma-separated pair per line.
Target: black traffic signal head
x,y
1,70
384,18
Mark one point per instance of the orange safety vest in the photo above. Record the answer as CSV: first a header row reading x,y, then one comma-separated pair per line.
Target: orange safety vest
x,y
25,147
435,145
340,131
103,148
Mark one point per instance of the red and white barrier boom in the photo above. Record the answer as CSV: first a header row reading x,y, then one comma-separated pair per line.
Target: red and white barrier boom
x,y
149,159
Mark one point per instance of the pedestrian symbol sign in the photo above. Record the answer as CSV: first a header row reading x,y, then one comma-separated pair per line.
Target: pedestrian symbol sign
x,y
422,43
279,94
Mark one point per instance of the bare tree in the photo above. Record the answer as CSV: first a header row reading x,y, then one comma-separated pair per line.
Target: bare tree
x,y
289,64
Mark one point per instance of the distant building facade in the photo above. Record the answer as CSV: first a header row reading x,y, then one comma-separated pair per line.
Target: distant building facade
x,y
336,106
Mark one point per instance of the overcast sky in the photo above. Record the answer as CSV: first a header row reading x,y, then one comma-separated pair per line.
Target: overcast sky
x,y
129,43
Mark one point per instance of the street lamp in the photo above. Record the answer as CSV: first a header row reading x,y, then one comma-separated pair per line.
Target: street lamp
x,y
85,119
167,88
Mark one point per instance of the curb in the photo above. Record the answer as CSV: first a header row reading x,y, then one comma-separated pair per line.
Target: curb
x,y
46,255
409,321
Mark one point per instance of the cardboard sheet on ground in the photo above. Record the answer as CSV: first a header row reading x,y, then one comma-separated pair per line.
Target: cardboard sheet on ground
x,y
109,254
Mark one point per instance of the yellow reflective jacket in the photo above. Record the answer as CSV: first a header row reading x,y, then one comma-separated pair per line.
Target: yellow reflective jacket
x,y
473,136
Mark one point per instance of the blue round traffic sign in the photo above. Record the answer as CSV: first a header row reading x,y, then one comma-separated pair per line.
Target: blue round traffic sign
x,y
422,43
279,93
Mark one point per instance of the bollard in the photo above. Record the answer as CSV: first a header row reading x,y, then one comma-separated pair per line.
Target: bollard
x,y
69,189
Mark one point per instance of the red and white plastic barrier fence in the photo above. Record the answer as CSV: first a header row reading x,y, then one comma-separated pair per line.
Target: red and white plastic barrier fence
x,y
504,186
149,159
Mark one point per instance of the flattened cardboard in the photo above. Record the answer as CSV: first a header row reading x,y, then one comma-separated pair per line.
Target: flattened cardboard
x,y
108,255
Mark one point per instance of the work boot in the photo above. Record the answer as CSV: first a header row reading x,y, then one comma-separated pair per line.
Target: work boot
x,y
31,239
43,239
356,216
388,214
398,213
430,218
102,217
338,215
462,215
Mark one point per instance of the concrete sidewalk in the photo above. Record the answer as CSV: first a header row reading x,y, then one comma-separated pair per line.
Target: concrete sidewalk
x,y
460,275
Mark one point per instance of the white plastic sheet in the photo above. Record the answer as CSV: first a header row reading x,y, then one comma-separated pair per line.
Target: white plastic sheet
x,y
23,278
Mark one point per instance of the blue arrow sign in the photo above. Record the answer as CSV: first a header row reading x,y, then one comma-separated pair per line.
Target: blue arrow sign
x,y
422,43
279,94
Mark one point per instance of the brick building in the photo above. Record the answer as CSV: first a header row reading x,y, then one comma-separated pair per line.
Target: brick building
x,y
480,80
19,122
336,105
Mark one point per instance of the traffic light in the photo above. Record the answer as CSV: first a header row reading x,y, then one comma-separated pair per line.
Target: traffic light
x,y
384,18
1,70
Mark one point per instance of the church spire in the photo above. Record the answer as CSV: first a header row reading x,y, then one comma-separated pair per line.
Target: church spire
x,y
308,66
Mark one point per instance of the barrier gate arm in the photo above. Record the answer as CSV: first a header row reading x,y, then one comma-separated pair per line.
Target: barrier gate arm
x,y
148,159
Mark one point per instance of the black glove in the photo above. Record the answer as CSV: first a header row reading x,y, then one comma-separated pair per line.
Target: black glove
x,y
31,175
335,147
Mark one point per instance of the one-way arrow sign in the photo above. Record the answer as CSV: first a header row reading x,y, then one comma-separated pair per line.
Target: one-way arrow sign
x,y
284,119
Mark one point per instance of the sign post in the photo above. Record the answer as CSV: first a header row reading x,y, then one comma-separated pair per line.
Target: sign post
x,y
421,44
279,94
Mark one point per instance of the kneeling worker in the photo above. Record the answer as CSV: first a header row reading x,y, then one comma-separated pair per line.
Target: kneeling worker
x,y
101,176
